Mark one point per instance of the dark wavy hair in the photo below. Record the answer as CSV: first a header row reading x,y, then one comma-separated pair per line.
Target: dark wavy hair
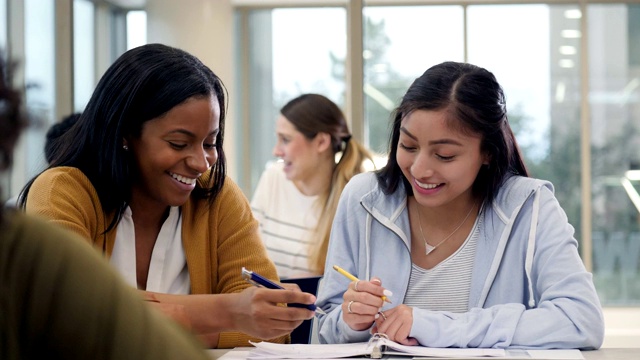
x,y
12,120
475,103
144,83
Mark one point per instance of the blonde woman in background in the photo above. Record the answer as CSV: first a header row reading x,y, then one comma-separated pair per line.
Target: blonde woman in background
x,y
296,198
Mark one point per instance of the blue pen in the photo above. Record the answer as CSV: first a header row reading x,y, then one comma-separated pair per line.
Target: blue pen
x,y
258,280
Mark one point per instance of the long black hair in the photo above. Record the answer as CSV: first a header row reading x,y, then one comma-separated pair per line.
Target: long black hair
x,y
475,103
142,84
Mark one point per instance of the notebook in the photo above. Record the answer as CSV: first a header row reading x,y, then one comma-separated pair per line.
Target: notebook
x,y
378,346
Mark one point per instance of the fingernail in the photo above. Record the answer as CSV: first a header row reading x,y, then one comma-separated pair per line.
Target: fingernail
x,y
377,316
387,292
376,281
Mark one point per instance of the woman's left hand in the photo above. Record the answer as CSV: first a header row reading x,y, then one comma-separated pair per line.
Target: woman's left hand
x,y
396,324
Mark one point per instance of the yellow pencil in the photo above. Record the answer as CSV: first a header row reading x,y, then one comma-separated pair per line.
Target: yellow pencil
x,y
352,278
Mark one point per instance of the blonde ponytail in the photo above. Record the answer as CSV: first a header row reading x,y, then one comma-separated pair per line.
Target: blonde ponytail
x,y
351,163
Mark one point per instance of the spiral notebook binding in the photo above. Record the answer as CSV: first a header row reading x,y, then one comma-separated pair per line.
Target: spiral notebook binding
x,y
377,350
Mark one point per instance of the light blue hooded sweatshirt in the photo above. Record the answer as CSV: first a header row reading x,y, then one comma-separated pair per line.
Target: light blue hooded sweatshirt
x,y
529,287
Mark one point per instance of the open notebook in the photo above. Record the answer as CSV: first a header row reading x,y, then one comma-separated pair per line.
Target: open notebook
x,y
375,348
379,345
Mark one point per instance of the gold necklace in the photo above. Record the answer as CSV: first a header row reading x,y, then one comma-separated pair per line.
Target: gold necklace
x,y
429,248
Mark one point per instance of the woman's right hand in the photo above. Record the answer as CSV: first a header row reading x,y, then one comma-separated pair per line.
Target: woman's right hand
x,y
362,302
258,313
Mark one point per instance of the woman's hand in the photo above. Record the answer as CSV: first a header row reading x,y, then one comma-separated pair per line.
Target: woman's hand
x,y
362,301
258,313
396,324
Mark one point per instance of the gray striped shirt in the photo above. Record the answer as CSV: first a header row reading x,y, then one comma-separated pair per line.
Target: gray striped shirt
x,y
446,286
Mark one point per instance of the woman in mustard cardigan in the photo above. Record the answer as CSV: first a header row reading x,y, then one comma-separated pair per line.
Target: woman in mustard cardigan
x,y
142,175
59,299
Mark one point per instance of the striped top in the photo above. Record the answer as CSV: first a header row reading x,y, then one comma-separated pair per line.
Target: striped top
x,y
446,286
287,219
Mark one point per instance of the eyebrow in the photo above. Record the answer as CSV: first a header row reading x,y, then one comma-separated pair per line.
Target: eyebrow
x,y
433,142
190,134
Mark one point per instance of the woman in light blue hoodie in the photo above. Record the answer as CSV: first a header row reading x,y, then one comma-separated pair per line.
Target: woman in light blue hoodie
x,y
470,251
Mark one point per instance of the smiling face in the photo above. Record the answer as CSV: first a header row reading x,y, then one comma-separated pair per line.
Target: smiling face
x,y
301,156
173,151
439,162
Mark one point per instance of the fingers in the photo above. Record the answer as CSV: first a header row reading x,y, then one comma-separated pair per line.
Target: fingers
x,y
264,317
373,287
362,302
264,303
290,286
396,324
288,296
349,307
409,341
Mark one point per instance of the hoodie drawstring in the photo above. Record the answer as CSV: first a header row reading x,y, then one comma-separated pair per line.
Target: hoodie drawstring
x,y
531,245
367,244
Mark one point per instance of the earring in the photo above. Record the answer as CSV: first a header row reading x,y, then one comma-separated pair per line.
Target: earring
x,y
125,147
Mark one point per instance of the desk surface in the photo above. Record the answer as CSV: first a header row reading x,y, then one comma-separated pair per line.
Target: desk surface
x,y
612,354
602,354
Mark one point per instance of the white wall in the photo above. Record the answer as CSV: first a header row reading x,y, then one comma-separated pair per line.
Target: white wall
x,y
205,29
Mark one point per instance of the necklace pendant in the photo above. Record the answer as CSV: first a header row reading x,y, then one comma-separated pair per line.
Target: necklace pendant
x,y
428,248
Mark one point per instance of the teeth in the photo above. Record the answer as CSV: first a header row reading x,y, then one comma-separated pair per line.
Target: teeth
x,y
182,179
426,186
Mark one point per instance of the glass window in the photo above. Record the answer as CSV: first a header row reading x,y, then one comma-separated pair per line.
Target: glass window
x,y
538,65
39,66
136,29
83,54
400,43
614,98
3,25
290,52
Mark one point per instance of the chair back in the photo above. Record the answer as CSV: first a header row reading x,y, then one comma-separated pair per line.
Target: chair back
x,y
302,334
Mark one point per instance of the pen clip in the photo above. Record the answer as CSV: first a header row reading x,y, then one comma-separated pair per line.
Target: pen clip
x,y
247,276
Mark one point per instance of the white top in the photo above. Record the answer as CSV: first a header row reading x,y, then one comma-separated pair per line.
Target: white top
x,y
168,271
287,218
446,286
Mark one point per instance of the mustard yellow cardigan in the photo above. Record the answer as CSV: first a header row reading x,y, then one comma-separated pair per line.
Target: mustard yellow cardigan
x,y
218,239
